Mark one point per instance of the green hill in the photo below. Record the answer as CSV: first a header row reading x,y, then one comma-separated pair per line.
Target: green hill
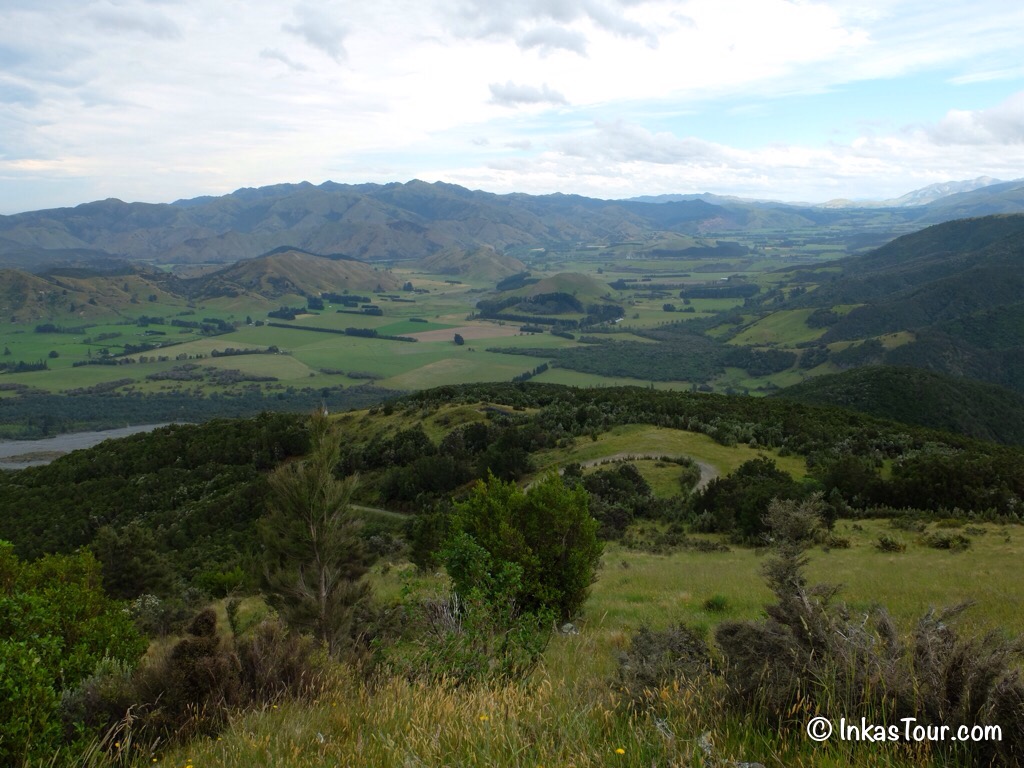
x,y
583,287
958,287
296,272
920,397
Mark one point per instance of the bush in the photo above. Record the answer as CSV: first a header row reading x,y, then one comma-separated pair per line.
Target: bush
x,y
716,604
276,664
954,542
190,689
466,642
656,659
815,655
888,543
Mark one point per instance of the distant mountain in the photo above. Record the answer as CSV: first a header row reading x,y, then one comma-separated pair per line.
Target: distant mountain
x,y
920,197
922,398
416,220
934,192
482,263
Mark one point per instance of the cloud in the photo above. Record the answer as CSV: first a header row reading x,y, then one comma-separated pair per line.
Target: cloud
x,y
519,20
549,39
320,31
274,54
620,142
512,94
1000,125
122,20
523,145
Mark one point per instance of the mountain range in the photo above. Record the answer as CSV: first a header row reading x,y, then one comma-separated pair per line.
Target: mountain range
x,y
415,220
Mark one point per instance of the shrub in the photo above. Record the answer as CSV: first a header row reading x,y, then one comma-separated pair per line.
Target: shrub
x,y
657,658
465,642
716,604
954,542
888,543
275,663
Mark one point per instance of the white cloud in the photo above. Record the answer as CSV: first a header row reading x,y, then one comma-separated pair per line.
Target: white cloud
x,y
122,20
1000,125
549,38
274,54
511,94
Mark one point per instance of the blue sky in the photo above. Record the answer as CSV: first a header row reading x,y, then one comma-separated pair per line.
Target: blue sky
x,y
801,100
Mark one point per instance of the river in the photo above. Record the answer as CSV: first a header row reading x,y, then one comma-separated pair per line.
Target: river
x,y
18,454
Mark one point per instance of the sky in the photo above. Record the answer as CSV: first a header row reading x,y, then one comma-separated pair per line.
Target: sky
x,y
796,100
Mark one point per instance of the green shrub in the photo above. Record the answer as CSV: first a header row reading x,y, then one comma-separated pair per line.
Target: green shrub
x,y
56,625
28,704
545,533
954,542
716,604
888,543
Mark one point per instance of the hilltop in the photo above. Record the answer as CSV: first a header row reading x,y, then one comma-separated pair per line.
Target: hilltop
x,y
920,397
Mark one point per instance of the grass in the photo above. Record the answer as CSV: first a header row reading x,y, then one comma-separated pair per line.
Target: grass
x,y
786,329
566,713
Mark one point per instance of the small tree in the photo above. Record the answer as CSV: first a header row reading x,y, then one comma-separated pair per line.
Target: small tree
x,y
546,534
314,558
458,340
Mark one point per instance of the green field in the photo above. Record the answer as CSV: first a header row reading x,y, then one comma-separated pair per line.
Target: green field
x,y
316,359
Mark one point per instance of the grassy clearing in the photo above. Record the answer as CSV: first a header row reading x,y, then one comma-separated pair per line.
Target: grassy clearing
x,y
640,438
786,329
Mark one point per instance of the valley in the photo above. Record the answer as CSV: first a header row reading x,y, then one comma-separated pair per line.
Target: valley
x,y
593,487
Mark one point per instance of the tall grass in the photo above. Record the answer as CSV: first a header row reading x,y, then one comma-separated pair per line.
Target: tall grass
x,y
568,712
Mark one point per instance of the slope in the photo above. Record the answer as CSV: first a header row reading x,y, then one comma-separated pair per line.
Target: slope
x,y
922,398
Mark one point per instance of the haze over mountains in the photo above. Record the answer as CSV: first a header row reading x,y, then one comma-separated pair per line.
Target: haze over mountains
x,y
415,220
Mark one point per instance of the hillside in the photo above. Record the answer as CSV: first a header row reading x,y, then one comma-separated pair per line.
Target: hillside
x,y
26,298
290,271
922,398
483,263
66,294
956,287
